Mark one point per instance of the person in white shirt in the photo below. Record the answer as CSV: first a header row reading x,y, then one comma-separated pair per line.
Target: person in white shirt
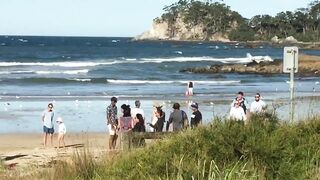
x,y
137,110
258,105
237,112
62,131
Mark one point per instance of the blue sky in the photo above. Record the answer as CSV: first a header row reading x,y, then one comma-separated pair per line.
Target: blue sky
x,y
106,17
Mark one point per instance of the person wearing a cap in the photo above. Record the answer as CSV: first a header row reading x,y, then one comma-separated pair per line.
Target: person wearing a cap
x,y
112,122
196,117
48,129
137,110
62,131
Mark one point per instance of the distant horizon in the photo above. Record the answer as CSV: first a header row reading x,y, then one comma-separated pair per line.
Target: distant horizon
x,y
99,18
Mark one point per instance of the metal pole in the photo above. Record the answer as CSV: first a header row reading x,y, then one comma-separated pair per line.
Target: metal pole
x,y
292,88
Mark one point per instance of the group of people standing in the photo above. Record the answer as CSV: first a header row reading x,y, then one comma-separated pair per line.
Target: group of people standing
x,y
133,119
240,107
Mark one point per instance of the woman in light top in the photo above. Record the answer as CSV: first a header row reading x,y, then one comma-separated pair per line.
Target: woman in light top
x,y
237,112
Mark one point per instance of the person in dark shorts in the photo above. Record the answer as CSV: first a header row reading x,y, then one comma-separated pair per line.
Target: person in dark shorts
x,y
196,117
48,129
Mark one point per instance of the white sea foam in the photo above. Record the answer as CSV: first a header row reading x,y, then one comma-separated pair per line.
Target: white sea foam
x,y
167,82
82,71
81,80
242,60
16,72
61,64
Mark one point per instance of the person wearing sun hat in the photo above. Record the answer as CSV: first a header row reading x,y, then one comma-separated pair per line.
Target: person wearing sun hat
x,y
196,117
62,131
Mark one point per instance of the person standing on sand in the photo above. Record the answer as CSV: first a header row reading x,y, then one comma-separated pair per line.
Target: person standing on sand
x,y
161,118
62,131
112,122
196,117
176,118
257,106
48,129
243,102
190,88
237,112
137,110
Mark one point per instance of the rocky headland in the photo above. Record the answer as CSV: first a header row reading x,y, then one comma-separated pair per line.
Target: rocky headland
x,y
308,66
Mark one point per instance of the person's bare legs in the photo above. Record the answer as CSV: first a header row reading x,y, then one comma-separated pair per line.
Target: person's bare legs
x,y
111,141
51,139
45,140
63,143
59,140
114,141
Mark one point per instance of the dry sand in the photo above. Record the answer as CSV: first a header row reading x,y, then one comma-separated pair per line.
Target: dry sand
x,y
19,151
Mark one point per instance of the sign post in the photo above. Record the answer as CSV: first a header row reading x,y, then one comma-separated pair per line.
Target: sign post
x,y
290,65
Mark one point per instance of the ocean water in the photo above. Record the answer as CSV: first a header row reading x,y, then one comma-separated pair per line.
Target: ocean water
x,y
36,70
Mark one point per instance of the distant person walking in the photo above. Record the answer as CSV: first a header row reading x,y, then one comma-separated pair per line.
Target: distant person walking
x,y
177,118
62,131
112,122
237,112
243,102
196,117
48,129
137,110
258,105
190,88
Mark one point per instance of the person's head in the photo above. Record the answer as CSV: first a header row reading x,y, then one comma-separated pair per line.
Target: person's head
x,y
176,106
114,100
140,118
194,106
59,120
126,110
159,110
240,95
50,106
257,97
137,103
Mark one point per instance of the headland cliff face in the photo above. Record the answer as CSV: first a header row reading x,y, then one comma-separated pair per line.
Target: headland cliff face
x,y
180,31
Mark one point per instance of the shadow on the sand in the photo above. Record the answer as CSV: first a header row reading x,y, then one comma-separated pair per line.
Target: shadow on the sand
x,y
75,145
8,158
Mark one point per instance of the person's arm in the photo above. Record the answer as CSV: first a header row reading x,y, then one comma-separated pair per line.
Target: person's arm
x,y
108,116
43,115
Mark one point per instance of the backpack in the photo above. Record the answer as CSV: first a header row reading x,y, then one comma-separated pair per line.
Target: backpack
x,y
185,121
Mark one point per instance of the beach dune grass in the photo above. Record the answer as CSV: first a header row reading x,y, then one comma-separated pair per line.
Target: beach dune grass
x,y
263,148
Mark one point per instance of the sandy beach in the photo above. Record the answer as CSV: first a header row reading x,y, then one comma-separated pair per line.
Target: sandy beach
x,y
20,151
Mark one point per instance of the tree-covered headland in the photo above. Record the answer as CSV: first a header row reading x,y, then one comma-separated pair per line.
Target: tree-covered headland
x,y
215,17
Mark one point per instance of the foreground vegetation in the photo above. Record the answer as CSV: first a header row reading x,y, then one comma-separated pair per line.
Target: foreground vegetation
x,y
214,17
261,149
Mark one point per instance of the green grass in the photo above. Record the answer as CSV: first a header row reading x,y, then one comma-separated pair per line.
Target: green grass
x,y
260,149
